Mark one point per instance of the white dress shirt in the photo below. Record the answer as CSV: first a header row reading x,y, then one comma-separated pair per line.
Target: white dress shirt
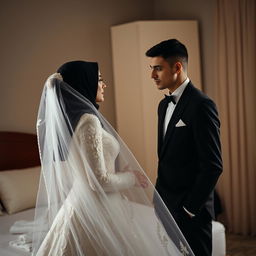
x,y
176,95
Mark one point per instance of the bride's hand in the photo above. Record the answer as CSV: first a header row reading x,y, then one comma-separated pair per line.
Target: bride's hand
x,y
141,179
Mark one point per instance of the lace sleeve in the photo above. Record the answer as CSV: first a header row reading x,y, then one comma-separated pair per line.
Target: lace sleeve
x,y
90,138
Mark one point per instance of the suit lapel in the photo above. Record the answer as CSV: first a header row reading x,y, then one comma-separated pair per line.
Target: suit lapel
x,y
184,99
162,111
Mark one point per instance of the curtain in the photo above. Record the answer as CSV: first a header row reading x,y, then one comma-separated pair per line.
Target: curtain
x,y
236,98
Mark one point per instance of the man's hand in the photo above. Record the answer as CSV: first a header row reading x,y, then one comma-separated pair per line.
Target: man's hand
x,y
190,214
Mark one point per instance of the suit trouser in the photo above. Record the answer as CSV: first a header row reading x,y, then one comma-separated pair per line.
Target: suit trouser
x,y
198,234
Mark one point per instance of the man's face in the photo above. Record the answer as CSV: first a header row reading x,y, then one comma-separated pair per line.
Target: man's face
x,y
164,75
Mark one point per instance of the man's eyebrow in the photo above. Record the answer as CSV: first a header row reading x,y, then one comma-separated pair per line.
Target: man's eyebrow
x,y
156,66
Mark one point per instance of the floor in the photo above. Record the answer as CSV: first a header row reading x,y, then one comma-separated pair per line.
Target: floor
x,y
240,245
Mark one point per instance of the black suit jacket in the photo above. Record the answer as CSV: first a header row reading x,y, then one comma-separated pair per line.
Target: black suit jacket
x,y
189,156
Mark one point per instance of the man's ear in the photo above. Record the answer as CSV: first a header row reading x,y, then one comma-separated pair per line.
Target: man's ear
x,y
178,67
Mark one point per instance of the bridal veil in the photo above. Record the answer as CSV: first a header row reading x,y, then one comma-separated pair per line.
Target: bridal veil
x,y
70,185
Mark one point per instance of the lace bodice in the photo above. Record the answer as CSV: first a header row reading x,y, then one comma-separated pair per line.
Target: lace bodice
x,y
101,149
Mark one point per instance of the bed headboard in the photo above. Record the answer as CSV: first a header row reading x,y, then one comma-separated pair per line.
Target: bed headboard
x,y
18,150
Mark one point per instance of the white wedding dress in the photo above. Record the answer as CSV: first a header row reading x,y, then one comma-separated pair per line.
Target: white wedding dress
x,y
140,235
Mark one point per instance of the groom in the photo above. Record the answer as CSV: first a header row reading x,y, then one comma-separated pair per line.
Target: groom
x,y
188,146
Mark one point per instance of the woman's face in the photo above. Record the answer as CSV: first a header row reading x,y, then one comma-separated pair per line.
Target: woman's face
x,y
101,87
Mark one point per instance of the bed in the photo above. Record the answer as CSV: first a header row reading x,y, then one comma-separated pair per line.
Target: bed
x,y
19,176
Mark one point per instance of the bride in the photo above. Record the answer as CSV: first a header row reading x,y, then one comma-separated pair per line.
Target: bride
x,y
93,198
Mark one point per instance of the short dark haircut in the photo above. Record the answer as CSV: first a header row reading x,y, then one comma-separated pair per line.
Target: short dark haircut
x,y
168,49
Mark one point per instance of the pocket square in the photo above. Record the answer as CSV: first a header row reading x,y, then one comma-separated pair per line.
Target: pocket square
x,y
180,124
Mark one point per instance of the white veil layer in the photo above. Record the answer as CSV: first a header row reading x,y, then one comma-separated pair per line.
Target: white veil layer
x,y
78,211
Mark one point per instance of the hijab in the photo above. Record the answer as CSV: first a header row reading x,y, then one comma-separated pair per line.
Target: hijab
x,y
82,76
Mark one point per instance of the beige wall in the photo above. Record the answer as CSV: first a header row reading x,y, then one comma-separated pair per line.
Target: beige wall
x,y
203,11
38,36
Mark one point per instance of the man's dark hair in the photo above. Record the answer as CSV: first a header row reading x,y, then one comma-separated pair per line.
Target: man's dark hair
x,y
169,49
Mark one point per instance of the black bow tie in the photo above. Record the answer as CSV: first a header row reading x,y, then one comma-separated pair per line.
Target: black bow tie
x,y
170,99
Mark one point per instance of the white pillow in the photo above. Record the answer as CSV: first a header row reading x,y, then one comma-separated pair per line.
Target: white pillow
x,y
18,188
